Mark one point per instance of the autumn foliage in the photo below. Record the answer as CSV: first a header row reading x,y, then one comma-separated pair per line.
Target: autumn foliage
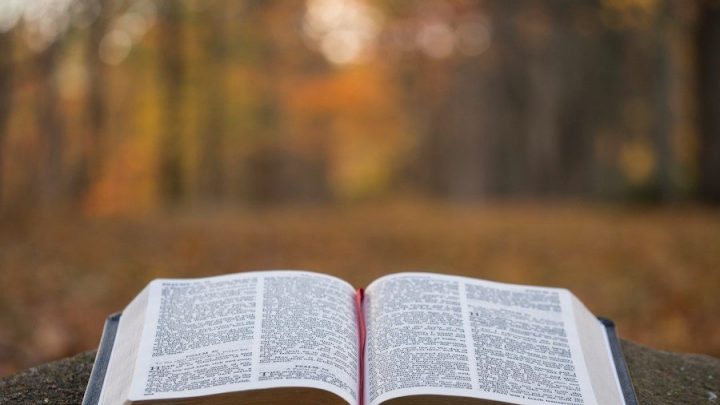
x,y
572,143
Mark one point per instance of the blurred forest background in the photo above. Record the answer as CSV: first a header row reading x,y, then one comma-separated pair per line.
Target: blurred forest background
x,y
573,143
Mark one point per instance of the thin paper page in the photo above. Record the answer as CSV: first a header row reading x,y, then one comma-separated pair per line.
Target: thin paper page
x,y
596,349
116,384
430,334
248,331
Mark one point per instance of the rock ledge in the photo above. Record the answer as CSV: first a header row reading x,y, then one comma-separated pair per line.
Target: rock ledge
x,y
659,378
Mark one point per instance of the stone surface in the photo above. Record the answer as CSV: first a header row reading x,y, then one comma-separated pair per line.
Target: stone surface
x,y
60,382
659,378
672,378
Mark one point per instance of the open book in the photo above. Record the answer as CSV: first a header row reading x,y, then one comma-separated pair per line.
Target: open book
x,y
302,337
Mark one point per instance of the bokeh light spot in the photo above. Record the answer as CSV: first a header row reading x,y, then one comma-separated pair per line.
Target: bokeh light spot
x,y
436,40
344,29
115,47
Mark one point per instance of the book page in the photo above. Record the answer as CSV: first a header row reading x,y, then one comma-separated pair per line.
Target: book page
x,y
430,334
245,332
116,384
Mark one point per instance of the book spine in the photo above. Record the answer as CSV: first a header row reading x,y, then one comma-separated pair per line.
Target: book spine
x,y
626,384
97,375
359,297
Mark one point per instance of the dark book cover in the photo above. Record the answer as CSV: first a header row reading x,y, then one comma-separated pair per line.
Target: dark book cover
x,y
102,358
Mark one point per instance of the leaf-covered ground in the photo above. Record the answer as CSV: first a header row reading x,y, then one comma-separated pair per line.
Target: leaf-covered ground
x,y
656,271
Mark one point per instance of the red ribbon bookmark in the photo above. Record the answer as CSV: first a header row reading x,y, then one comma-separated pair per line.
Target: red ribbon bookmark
x,y
359,297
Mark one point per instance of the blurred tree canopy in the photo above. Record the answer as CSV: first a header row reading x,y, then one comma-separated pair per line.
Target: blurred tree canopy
x,y
133,105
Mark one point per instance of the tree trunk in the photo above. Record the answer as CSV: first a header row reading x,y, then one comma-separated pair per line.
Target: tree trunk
x,y
50,125
96,107
664,95
172,75
708,78
212,171
6,90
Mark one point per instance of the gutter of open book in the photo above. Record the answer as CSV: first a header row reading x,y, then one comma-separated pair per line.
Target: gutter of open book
x,y
359,298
